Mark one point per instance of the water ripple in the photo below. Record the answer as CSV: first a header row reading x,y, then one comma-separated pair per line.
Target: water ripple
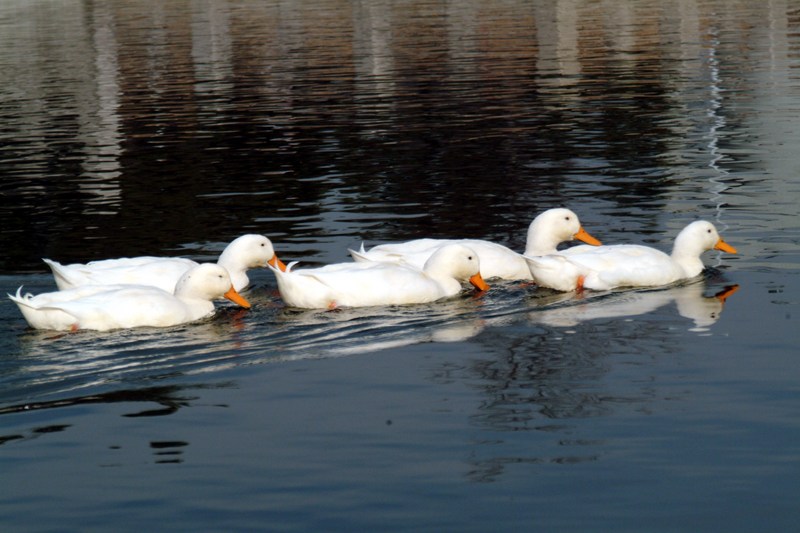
x,y
53,364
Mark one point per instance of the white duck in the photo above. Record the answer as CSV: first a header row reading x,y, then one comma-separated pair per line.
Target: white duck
x,y
381,283
247,251
545,233
628,265
105,307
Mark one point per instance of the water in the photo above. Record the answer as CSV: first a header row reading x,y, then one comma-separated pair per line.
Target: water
x,y
172,128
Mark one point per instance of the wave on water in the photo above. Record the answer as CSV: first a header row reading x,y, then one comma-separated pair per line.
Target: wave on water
x,y
48,365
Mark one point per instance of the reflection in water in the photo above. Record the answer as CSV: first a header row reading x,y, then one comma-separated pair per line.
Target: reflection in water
x,y
168,452
157,128
58,363
53,364
50,364
101,167
546,377
690,300
536,382
542,369
164,396
169,399
366,120
350,331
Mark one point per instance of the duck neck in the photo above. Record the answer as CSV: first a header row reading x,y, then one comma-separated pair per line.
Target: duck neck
x,y
228,260
688,257
199,305
540,242
444,279
235,268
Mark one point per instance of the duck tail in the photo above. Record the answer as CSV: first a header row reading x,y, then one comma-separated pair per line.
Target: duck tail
x,y
360,256
21,299
278,271
61,274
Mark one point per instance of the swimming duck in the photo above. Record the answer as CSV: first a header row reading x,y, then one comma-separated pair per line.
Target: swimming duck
x,y
381,283
628,265
105,307
545,233
247,251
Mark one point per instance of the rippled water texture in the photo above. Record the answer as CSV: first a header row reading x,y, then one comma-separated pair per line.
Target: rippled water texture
x,y
170,128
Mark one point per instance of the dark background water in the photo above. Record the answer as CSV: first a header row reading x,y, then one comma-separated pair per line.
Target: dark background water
x,y
131,128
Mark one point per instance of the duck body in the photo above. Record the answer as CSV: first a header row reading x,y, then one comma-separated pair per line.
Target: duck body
x,y
161,272
545,233
243,253
628,265
497,261
107,307
556,272
373,283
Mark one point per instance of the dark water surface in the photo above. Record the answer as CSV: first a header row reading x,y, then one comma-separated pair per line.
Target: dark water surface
x,y
130,128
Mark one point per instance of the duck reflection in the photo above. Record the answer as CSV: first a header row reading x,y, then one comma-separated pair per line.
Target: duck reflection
x,y
691,302
539,382
349,331
60,364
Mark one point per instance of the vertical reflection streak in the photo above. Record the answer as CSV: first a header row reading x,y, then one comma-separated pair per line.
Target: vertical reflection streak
x,y
101,164
717,179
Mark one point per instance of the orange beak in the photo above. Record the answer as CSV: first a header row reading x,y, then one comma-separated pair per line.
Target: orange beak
x,y
726,293
236,298
478,283
584,236
724,246
277,263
